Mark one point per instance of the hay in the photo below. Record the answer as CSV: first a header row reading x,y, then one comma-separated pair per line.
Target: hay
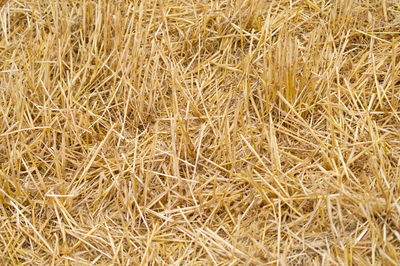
x,y
200,132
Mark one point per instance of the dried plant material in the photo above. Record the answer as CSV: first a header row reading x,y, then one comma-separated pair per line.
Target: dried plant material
x,y
200,132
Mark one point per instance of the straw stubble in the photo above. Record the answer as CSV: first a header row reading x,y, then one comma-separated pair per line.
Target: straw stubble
x,y
200,132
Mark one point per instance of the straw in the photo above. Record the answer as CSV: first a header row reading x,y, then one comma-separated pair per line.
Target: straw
x,y
177,132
